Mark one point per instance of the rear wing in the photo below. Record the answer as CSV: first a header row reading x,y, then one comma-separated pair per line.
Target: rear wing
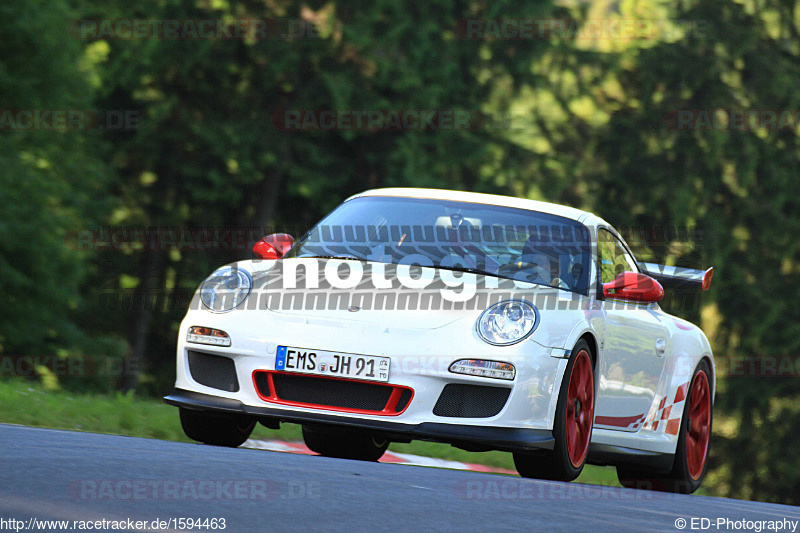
x,y
670,276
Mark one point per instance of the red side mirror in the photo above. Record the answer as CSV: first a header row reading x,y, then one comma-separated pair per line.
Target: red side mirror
x,y
707,275
633,287
273,246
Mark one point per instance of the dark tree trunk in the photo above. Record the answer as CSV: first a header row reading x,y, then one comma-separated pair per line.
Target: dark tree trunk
x,y
270,189
141,314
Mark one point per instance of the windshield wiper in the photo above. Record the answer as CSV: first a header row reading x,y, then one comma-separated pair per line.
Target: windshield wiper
x,y
343,257
471,270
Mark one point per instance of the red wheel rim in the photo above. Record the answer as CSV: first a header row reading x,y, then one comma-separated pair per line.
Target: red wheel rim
x,y
580,408
698,425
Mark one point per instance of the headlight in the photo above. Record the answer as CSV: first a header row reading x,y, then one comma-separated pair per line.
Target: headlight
x,y
508,322
225,289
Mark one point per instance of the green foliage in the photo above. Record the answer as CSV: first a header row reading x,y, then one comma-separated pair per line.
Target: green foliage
x,y
51,183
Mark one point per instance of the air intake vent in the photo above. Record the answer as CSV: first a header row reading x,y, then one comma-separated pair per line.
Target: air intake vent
x,y
471,401
213,371
402,403
329,393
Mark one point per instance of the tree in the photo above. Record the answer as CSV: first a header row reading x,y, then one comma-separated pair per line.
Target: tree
x,y
51,185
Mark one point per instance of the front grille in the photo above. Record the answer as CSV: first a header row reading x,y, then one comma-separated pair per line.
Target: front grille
x,y
337,394
213,371
470,401
332,393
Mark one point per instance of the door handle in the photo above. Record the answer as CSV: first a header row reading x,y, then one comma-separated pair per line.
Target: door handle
x,y
661,347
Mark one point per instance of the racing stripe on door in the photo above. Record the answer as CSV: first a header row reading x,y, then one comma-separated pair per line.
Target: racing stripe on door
x,y
667,416
628,422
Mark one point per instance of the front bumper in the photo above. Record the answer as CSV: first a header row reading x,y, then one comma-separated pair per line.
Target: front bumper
x,y
420,360
500,438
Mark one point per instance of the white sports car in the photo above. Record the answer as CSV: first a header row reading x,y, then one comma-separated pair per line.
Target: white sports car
x,y
486,322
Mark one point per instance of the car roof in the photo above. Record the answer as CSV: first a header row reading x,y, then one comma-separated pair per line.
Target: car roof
x,y
585,217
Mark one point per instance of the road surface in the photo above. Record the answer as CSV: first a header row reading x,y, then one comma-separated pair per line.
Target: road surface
x,y
86,478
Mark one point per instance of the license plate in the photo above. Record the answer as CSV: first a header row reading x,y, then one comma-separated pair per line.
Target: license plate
x,y
334,364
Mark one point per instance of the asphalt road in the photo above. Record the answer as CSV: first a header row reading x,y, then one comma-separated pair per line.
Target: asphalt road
x,y
63,475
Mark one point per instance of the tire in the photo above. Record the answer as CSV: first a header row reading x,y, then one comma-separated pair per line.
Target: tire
x,y
694,442
215,429
344,444
572,429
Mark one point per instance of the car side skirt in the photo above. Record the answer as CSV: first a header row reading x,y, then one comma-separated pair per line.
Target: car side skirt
x,y
606,454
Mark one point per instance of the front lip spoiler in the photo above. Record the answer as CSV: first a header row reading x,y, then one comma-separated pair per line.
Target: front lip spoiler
x,y
499,438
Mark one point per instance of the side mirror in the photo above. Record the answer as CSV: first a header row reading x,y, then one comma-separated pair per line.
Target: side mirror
x,y
273,246
633,287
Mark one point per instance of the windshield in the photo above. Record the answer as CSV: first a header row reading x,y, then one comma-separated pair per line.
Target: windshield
x,y
500,241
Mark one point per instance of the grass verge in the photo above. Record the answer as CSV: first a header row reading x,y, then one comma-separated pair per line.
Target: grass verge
x,y
27,403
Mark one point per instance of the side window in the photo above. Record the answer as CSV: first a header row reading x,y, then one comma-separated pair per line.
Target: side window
x,y
612,256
